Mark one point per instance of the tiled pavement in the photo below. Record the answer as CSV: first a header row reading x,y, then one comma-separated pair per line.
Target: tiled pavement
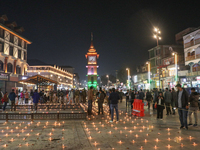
x,y
146,133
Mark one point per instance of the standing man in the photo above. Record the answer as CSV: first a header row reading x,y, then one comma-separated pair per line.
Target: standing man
x,y
90,99
100,102
141,95
36,98
127,97
174,97
148,97
168,98
108,95
114,97
12,97
193,99
182,104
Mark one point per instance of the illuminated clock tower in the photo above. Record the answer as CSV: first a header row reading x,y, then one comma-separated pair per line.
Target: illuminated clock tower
x,y
92,66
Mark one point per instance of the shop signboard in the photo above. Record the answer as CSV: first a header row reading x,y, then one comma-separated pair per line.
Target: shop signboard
x,y
4,76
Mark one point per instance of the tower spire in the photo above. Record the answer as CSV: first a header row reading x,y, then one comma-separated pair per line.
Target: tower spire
x,y
91,36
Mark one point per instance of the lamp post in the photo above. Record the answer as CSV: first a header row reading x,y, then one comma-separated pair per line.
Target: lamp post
x,y
149,74
157,36
128,77
176,66
108,81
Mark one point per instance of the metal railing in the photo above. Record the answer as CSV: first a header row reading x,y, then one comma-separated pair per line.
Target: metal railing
x,y
42,116
47,107
45,116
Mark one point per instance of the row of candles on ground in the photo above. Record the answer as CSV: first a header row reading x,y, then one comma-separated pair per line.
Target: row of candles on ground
x,y
128,119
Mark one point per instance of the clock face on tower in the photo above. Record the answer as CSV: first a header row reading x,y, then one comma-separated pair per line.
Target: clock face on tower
x,y
92,59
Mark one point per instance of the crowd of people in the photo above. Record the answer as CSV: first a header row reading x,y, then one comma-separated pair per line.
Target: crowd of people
x,y
170,99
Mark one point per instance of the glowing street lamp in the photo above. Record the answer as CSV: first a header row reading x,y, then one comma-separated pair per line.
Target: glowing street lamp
x,y
176,67
108,80
149,73
128,77
156,35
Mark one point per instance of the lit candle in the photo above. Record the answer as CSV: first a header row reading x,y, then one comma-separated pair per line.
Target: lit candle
x,y
145,140
194,144
168,146
155,147
157,140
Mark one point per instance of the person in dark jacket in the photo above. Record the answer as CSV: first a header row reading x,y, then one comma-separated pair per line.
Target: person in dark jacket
x,y
141,95
36,97
100,102
168,98
160,105
114,97
127,97
182,104
149,98
193,99
174,97
12,97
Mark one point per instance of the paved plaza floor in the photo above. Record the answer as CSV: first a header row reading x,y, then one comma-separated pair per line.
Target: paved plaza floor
x,y
96,133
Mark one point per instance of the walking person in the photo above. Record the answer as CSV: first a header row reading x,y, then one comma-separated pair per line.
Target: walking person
x,y
26,96
148,97
160,105
174,97
5,100
193,99
36,97
90,100
127,97
168,98
182,104
100,102
114,97
12,97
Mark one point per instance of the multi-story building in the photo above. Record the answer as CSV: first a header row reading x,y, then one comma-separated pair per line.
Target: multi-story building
x,y
53,72
192,56
13,54
140,78
162,64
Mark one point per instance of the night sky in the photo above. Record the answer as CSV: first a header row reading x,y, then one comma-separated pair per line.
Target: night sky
x,y
60,29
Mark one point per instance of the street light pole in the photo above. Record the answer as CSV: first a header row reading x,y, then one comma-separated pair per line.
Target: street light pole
x,y
176,66
108,81
128,77
157,32
149,74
